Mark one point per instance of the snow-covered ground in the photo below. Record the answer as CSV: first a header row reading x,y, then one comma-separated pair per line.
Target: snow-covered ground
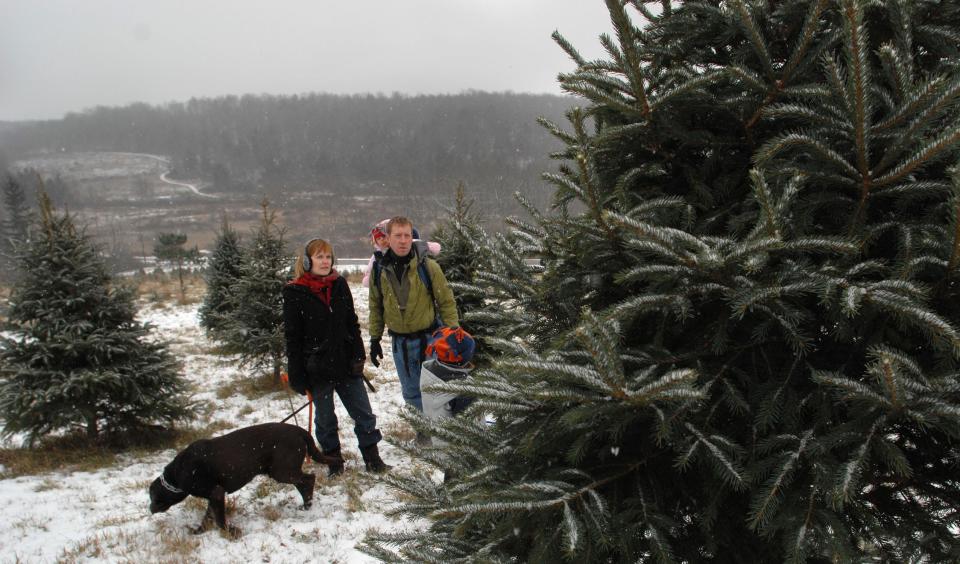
x,y
102,516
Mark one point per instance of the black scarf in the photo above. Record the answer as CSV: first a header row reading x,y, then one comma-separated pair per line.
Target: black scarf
x,y
401,262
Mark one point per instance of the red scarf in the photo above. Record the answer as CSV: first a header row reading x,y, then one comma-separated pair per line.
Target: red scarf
x,y
321,286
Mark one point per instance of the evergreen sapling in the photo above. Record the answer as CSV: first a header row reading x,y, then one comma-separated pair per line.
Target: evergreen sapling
x,y
78,358
222,274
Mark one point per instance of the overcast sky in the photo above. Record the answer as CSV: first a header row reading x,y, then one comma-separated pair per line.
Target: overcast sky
x,y
58,56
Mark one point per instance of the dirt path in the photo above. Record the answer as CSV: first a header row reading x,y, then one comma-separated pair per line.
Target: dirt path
x,y
185,185
163,177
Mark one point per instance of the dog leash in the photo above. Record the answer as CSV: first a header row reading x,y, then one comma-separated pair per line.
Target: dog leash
x,y
285,378
299,409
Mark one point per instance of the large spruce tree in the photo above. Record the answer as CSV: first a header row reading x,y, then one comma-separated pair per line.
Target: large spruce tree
x,y
78,358
743,344
222,275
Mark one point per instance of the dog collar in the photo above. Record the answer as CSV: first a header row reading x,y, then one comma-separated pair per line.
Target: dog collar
x,y
166,484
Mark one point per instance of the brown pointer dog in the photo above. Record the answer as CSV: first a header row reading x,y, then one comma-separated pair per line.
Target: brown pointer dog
x,y
212,468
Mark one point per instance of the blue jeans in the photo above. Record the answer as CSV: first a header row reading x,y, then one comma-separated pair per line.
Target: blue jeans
x,y
353,396
408,356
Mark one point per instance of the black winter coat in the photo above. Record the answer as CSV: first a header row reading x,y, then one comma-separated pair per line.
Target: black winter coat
x,y
322,342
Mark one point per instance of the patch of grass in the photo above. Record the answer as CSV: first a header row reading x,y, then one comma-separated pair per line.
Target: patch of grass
x,y
399,431
90,547
199,505
271,513
160,288
30,524
77,452
267,487
354,276
354,484
117,520
180,544
193,349
195,504
46,485
307,536
71,452
137,485
252,387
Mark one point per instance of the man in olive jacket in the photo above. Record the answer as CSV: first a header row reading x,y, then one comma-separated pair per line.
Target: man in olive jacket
x,y
401,301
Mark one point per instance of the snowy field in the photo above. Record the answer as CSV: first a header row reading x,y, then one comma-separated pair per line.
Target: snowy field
x,y
102,516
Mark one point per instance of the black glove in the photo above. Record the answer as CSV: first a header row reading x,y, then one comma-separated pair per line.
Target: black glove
x,y
376,352
357,367
302,390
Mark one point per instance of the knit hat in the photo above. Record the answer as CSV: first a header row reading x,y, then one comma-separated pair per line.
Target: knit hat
x,y
451,346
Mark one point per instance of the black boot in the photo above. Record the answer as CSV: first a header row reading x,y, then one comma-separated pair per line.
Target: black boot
x,y
372,460
334,470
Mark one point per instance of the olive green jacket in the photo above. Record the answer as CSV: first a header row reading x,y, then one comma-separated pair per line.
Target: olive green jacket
x,y
419,314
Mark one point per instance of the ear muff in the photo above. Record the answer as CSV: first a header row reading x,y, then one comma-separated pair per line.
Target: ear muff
x,y
308,262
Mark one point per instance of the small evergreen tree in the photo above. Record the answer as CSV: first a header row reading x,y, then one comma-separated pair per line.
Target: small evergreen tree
x,y
463,241
743,345
222,275
255,329
170,247
15,223
79,358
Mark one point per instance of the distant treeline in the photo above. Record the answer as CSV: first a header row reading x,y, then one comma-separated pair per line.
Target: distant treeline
x,y
364,144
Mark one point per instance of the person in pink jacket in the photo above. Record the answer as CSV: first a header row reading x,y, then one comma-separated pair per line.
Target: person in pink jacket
x,y
378,237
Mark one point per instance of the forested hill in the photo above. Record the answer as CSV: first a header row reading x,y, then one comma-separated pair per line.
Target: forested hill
x,y
323,142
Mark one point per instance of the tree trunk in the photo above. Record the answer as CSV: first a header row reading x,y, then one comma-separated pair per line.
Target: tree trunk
x,y
183,295
92,430
276,369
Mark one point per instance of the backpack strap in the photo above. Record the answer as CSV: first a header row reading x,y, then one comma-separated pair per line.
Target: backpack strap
x,y
421,270
425,278
375,273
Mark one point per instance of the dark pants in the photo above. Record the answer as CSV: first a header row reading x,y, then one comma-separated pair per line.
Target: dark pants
x,y
353,396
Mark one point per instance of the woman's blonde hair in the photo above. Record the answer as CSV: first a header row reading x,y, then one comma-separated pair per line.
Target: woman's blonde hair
x,y
312,246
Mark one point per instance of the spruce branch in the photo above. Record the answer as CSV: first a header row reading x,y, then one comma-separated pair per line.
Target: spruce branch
x,y
757,41
632,69
779,83
568,48
929,117
955,221
788,141
766,502
846,478
768,219
860,82
921,157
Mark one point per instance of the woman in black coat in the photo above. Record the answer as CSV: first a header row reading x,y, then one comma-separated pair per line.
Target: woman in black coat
x,y
325,352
